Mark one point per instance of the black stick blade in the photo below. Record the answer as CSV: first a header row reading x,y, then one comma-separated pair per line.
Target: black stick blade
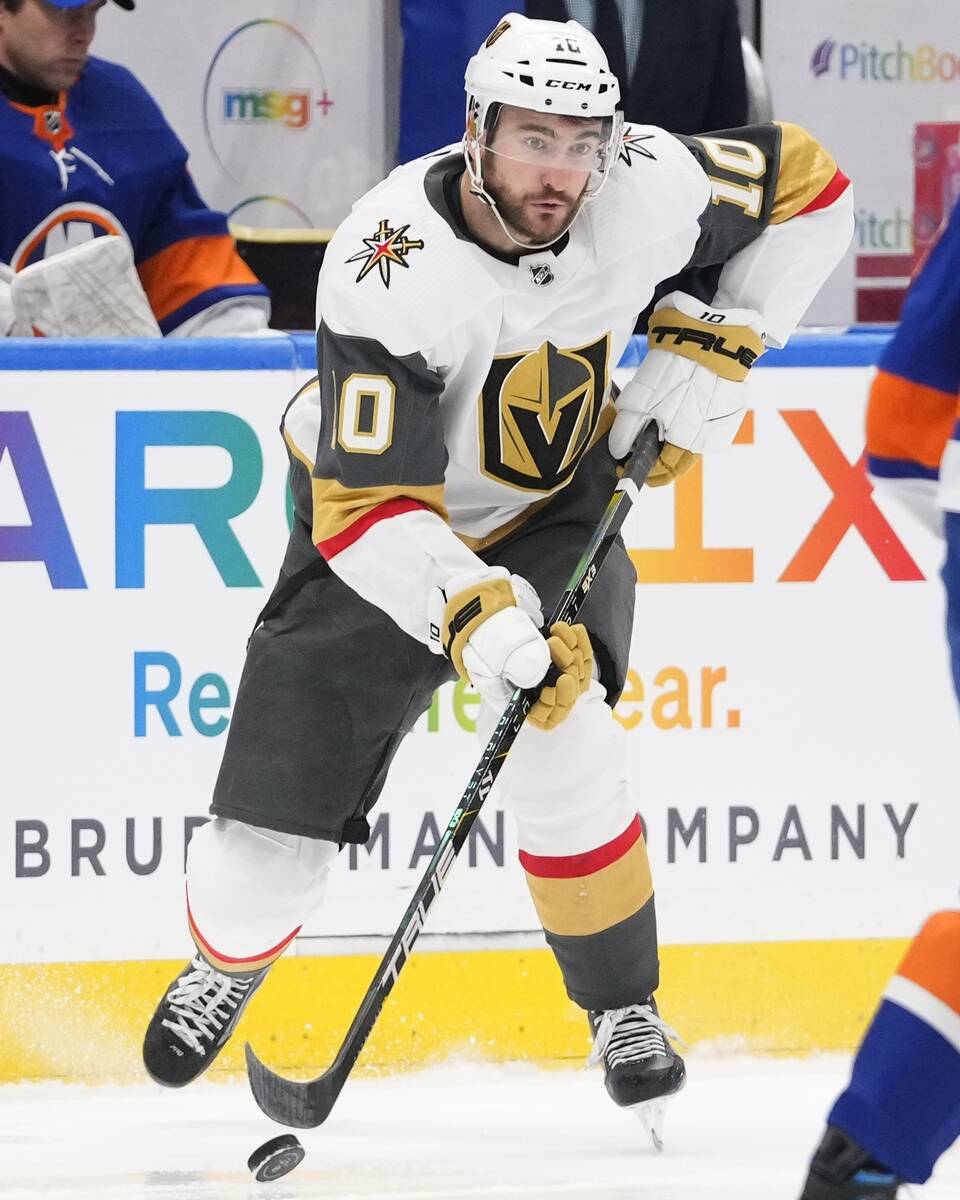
x,y
288,1101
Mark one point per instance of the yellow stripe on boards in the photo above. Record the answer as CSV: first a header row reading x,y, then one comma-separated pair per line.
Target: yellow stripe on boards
x,y
86,1020
296,236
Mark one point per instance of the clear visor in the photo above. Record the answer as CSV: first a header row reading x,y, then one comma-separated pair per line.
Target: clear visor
x,y
574,146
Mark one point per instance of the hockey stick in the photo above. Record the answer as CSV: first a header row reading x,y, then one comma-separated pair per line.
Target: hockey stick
x,y
306,1105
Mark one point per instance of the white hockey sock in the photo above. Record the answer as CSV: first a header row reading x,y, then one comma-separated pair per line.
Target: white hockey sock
x,y
567,788
250,889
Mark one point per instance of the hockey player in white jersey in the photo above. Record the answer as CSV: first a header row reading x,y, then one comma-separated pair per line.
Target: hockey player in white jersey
x,y
448,465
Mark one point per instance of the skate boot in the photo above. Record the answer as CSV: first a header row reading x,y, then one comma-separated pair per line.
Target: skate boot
x,y
843,1170
194,1021
642,1069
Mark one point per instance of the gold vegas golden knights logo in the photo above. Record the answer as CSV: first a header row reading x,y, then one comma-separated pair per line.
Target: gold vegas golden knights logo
x,y
538,412
500,30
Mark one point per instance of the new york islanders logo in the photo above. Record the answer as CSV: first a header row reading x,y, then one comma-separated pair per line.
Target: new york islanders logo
x,y
67,226
387,247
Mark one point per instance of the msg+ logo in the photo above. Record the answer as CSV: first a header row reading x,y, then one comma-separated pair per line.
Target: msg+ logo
x,y
246,105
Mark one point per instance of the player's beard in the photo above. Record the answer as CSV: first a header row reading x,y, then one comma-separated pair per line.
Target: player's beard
x,y
517,213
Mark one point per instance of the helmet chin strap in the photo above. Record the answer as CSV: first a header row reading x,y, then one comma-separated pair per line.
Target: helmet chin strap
x,y
478,189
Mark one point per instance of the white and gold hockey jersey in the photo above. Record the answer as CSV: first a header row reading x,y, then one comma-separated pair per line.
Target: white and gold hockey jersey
x,y
458,387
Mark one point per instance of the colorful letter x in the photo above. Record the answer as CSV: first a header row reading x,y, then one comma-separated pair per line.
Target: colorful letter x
x,y
852,505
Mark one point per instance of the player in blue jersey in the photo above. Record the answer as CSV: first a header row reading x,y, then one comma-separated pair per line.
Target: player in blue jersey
x,y
102,230
913,437
901,1110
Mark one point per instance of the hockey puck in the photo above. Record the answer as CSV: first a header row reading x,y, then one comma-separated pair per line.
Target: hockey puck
x,y
276,1158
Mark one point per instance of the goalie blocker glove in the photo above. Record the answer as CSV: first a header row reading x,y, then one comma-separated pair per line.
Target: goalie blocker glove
x,y
487,624
690,382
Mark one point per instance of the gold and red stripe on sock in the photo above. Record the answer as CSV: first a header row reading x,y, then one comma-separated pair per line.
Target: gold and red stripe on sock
x,y
586,893
237,966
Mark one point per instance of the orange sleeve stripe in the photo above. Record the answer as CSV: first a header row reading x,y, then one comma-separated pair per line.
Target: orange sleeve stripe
x,y
933,960
907,420
175,276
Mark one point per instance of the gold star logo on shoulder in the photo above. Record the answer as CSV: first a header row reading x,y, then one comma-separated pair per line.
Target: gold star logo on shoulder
x,y
631,144
387,246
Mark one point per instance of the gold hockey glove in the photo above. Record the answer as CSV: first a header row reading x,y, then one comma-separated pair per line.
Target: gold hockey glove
x,y
572,655
672,463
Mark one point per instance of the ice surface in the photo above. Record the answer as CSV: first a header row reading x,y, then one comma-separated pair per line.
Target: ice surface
x,y
742,1130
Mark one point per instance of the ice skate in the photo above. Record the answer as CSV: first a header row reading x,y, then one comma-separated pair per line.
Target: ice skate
x,y
194,1020
842,1170
641,1068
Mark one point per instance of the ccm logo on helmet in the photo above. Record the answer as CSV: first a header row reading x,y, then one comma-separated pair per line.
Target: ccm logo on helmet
x,y
569,85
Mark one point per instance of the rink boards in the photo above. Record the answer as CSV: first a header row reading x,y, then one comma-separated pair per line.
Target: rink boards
x,y
789,716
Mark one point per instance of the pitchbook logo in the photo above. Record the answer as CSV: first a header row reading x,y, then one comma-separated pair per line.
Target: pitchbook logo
x,y
866,63
820,63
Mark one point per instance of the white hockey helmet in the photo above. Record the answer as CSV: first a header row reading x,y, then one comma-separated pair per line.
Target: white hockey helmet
x,y
547,66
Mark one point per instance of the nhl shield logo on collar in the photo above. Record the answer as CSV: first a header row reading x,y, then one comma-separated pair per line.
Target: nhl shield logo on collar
x,y
541,273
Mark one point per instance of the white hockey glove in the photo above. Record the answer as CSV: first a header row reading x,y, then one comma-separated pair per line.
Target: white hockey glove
x,y
90,290
690,383
487,623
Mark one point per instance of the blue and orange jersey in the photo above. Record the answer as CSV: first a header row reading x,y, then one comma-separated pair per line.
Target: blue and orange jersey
x,y
103,160
903,1102
913,414
913,401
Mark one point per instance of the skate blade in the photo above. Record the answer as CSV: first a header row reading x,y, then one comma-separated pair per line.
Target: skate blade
x,y
651,1114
